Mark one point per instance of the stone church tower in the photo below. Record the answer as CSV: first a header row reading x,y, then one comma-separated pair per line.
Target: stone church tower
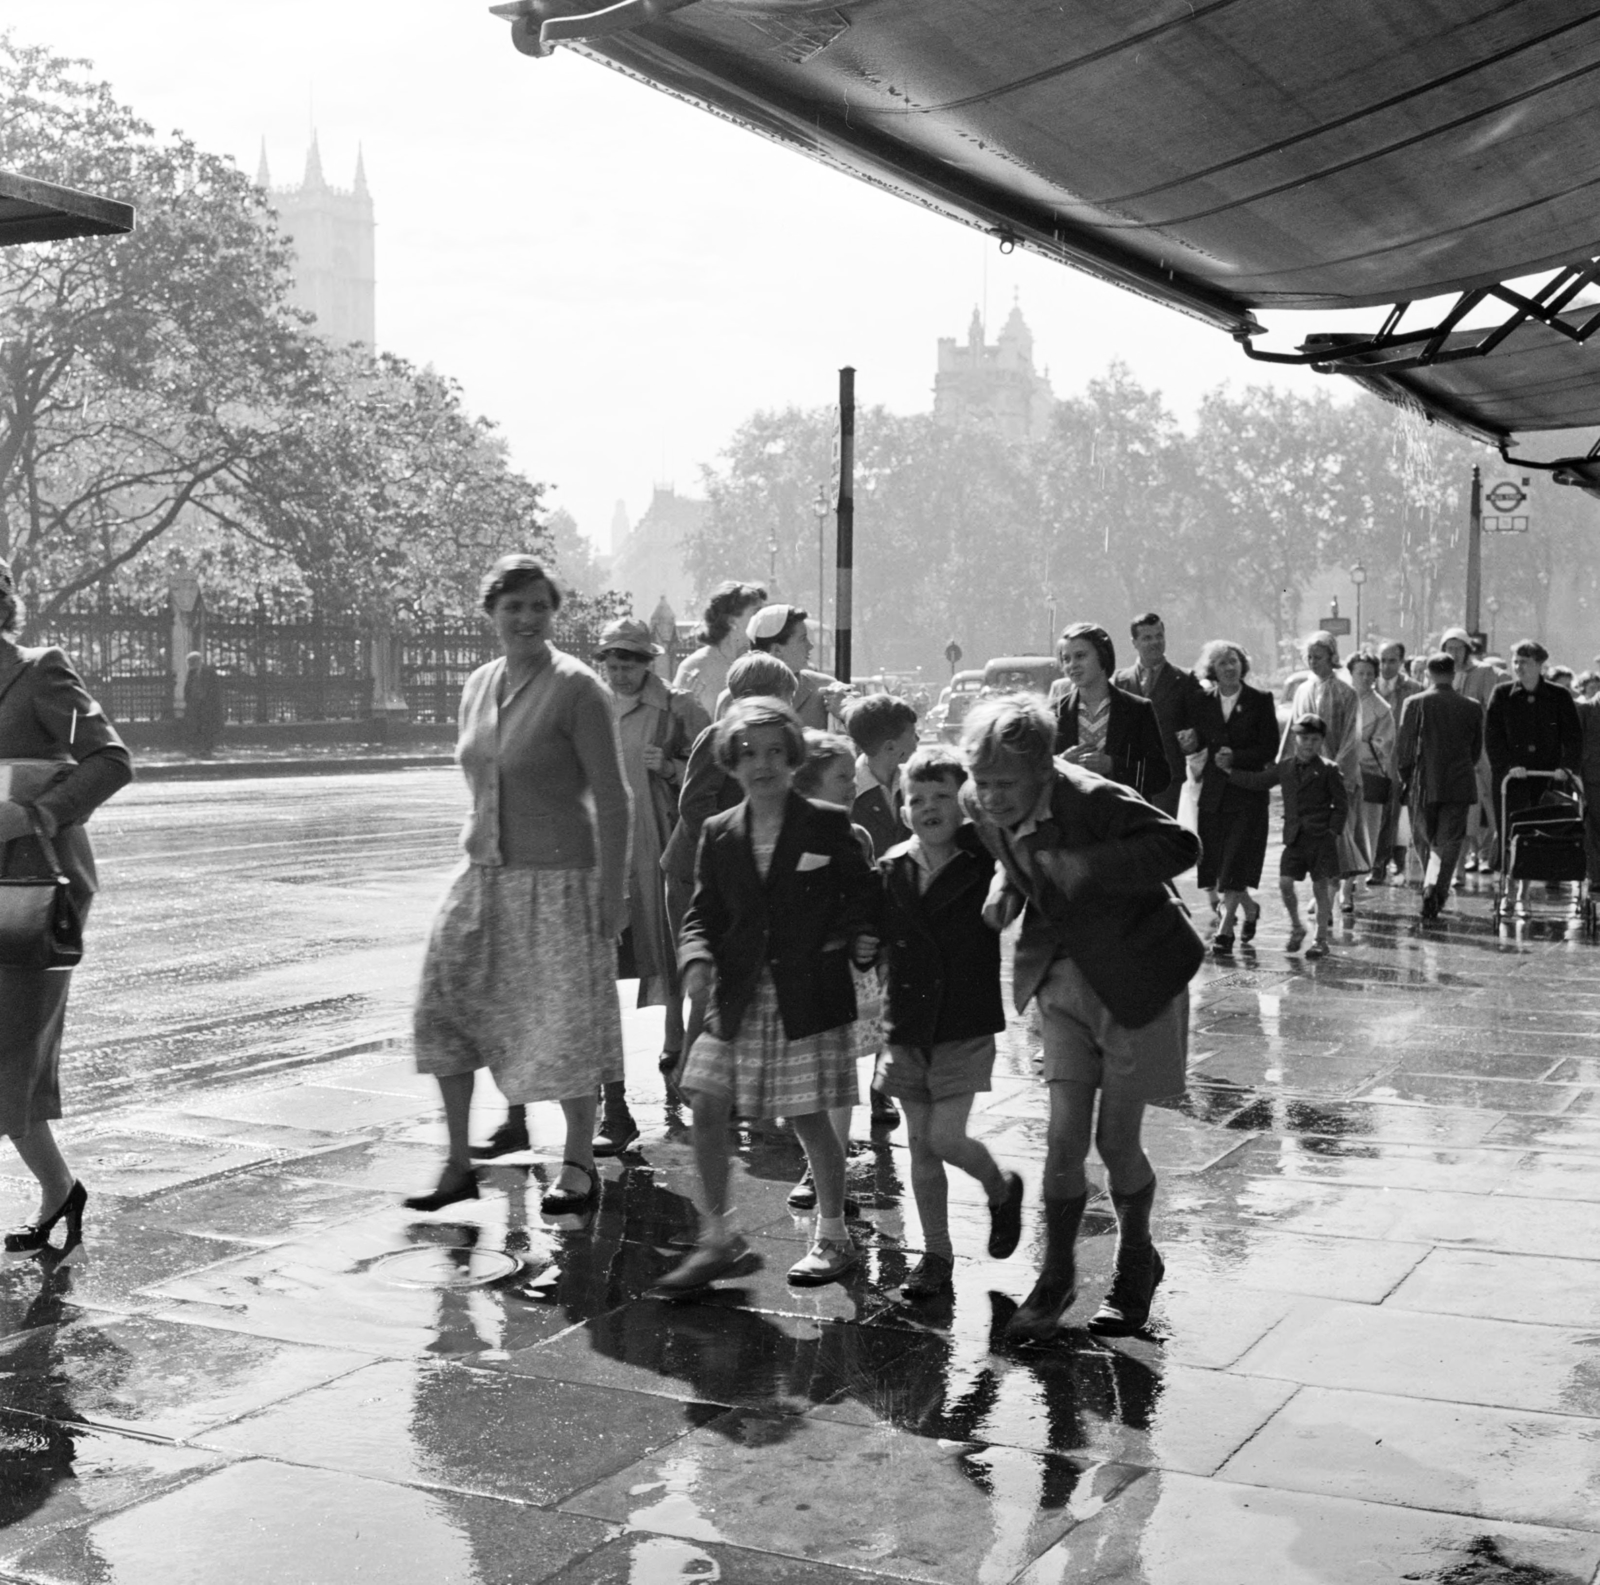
x,y
332,229
995,384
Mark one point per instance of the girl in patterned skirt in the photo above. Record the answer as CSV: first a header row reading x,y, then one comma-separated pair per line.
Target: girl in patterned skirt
x,y
784,903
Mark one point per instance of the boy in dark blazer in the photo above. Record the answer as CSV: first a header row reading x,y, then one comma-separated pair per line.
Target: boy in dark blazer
x,y
1315,805
942,1010
1109,951
884,731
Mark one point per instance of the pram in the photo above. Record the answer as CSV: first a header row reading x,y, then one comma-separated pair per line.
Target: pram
x,y
1544,842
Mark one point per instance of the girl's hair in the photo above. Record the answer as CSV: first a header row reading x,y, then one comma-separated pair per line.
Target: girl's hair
x,y
1531,649
1364,657
1097,637
936,762
512,574
1018,725
723,609
743,714
757,674
822,749
1206,666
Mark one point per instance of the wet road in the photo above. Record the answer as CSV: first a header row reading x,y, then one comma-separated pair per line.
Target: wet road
x,y
1373,1358
251,924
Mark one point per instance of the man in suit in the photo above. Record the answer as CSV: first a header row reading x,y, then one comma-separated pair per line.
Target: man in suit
x,y
1172,693
1394,686
1440,744
1477,683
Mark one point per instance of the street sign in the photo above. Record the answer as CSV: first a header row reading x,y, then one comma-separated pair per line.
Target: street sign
x,y
1338,626
952,653
1505,495
1506,525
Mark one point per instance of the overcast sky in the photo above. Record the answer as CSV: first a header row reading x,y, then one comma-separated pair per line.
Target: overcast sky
x,y
615,278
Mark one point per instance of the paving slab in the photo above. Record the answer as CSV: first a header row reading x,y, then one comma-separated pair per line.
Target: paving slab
x,y
258,1523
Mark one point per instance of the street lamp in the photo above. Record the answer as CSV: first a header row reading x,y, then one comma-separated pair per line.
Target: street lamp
x,y
772,560
1492,605
1358,576
819,508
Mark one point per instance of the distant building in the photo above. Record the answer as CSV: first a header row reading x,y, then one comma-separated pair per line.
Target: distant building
x,y
649,563
333,233
995,384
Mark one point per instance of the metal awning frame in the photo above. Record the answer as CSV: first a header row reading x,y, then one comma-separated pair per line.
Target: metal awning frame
x,y
1389,351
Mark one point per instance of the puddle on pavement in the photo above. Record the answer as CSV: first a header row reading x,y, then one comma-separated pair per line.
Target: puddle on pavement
x,y
445,1266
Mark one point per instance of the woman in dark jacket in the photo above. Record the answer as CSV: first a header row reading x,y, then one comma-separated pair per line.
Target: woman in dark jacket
x,y
1103,728
1233,819
1531,724
60,759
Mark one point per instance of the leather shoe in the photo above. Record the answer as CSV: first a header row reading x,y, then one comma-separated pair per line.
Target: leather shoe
x,y
1126,1308
1038,1319
703,1266
1005,1219
615,1136
509,1136
572,1202
455,1183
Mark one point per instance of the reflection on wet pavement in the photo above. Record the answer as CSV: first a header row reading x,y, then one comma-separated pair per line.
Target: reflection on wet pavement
x,y
1373,1358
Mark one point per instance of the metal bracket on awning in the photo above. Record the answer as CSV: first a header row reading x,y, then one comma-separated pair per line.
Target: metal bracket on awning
x,y
1582,473
537,26
1391,350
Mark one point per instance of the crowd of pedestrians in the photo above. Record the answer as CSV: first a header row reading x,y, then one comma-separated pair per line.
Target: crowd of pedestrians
x,y
800,900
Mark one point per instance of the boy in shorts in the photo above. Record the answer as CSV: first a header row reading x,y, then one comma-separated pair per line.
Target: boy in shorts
x,y
942,1010
1315,805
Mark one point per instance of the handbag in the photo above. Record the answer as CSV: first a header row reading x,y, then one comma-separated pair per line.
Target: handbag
x,y
1376,788
40,925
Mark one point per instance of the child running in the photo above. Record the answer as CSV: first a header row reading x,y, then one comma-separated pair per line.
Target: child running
x,y
943,1010
783,903
1315,805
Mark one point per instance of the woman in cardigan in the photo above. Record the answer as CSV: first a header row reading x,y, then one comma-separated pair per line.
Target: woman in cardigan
x,y
521,967
1233,819
1103,728
45,715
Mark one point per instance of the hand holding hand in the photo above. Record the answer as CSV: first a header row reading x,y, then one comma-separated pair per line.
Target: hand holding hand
x,y
864,950
14,822
697,981
1223,759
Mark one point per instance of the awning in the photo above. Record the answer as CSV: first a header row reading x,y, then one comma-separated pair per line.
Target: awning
x,y
33,211
1220,156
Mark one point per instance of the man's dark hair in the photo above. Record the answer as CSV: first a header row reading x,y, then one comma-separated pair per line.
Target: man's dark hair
x,y
1442,665
1149,619
873,721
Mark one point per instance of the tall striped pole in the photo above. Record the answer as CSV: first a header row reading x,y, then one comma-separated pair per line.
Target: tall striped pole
x,y
845,559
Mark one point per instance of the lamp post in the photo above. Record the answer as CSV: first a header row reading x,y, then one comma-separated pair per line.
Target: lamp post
x,y
1358,576
1492,605
819,509
772,560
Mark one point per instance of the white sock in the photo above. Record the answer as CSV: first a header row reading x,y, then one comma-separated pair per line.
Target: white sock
x,y
832,1227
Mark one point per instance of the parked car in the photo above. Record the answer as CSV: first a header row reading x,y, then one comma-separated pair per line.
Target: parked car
x,y
963,688
1020,674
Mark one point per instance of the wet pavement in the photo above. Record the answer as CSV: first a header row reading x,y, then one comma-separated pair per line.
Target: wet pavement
x,y
1376,1356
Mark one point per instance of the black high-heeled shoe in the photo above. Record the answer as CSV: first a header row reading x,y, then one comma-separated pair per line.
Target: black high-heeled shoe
x,y
36,1235
457,1184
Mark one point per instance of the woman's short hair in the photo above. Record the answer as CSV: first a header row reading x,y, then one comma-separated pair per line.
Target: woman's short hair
x,y
1363,657
1531,649
761,675
1206,667
728,602
822,749
1015,725
743,714
1321,639
1096,636
512,574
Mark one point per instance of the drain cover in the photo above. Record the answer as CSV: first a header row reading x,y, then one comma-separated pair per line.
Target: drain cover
x,y
445,1266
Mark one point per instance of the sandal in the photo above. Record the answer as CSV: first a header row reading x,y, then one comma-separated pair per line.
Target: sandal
x,y
570,1202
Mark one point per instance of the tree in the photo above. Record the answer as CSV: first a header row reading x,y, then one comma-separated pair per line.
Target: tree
x,y
137,375
581,568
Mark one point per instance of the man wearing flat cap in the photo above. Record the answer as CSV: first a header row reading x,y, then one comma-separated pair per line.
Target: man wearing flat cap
x,y
658,726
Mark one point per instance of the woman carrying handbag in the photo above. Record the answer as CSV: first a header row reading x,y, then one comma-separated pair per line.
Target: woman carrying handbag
x,y
60,759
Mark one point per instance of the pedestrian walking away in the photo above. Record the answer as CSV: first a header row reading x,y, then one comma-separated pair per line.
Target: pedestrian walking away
x,y
1174,695
1437,751
520,972
60,759
204,706
784,903
1315,810
1103,728
657,726
1108,950
943,1009
1477,683
1394,688
1233,819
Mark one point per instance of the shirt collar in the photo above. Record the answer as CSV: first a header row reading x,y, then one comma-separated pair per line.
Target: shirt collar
x,y
1040,812
866,781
